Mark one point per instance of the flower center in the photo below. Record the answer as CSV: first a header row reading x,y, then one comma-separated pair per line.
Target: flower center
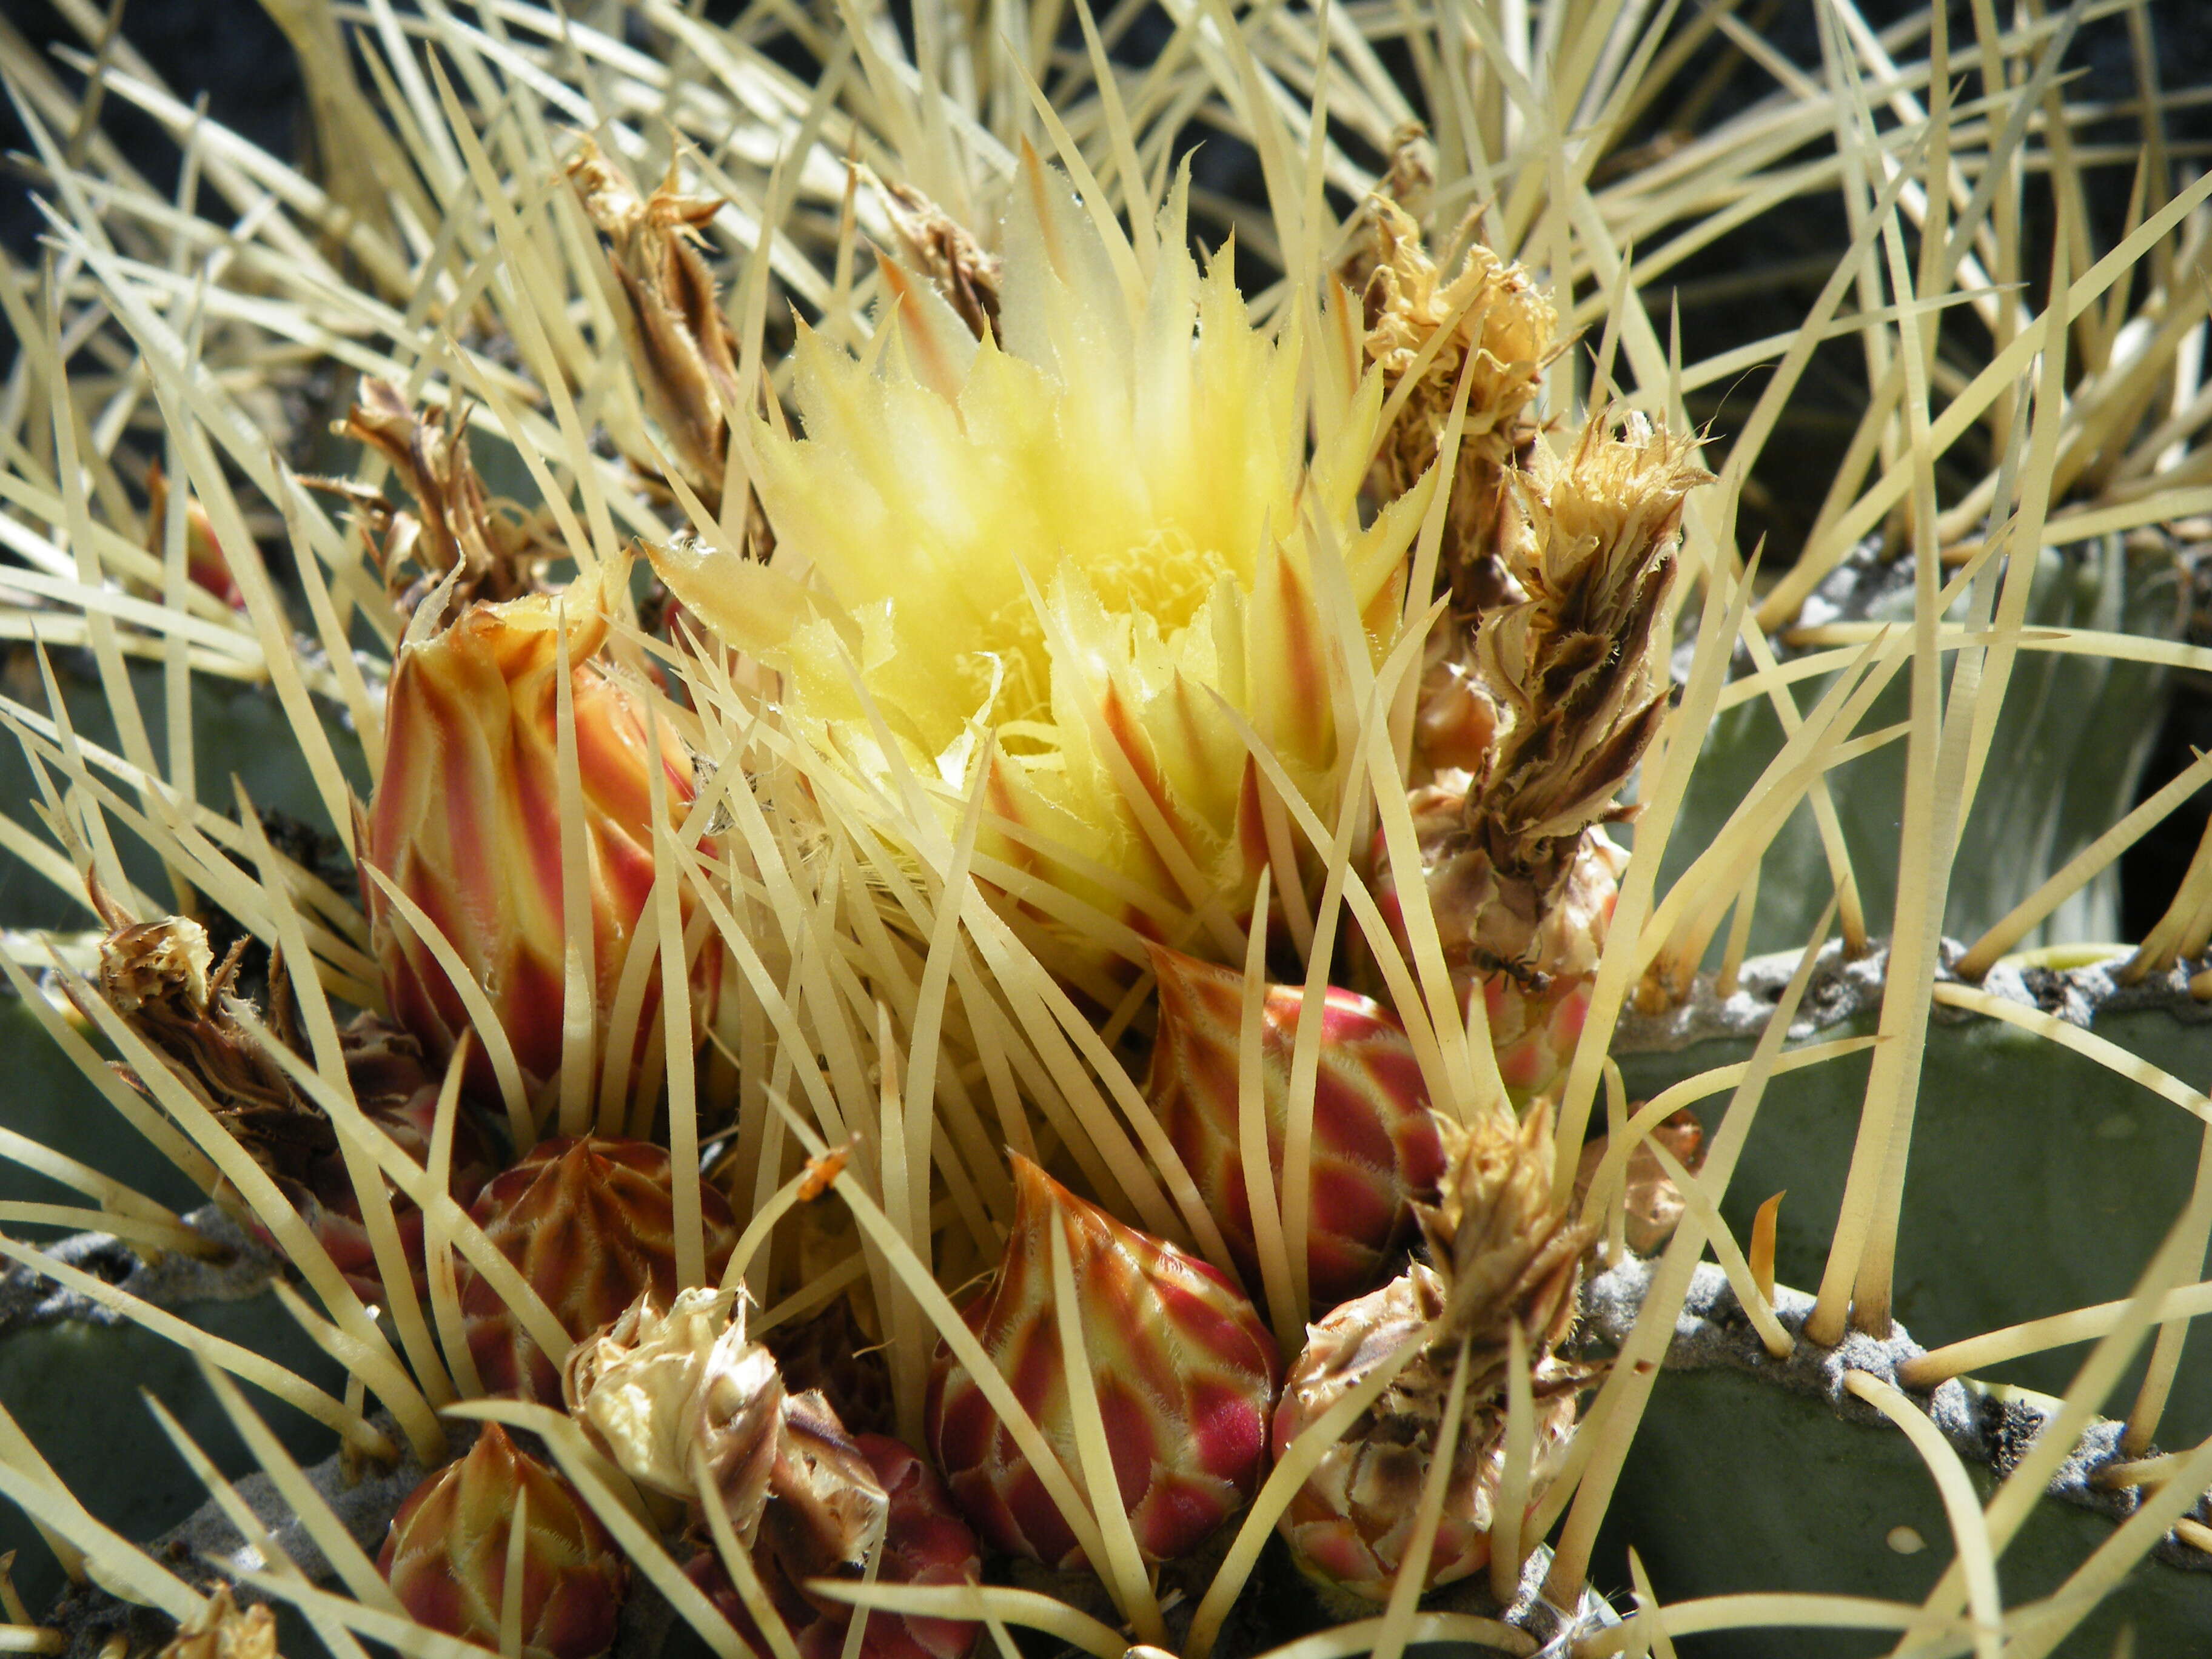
x,y
1153,591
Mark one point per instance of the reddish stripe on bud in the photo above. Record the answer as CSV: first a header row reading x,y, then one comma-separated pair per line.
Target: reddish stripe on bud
x,y
465,822
1183,1369
1375,1145
205,564
446,1555
590,1221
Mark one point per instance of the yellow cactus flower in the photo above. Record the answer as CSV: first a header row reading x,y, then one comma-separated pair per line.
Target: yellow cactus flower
x,y
1064,548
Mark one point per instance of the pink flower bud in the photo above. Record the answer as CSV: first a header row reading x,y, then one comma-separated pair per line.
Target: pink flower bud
x,y
1374,1141
591,1224
1183,1368
466,822
446,1555
205,566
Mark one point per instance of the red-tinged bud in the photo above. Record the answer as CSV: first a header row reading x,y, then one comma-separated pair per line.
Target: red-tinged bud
x,y
590,1223
1183,1369
1374,1141
446,1555
205,566
706,1570
1534,1027
925,1542
466,822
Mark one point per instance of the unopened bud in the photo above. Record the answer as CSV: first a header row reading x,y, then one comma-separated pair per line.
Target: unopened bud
x,y
466,822
446,1555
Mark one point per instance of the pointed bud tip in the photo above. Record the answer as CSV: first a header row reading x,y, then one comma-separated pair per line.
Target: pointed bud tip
x,y
445,1554
1182,1372
590,1221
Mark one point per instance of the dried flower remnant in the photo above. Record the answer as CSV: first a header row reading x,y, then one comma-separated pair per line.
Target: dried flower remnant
x,y
466,822
456,529
1183,1369
447,1554
156,969
683,353
1375,1145
1652,1203
1408,183
668,1396
659,1391
162,979
1503,1255
590,1223
224,1629
925,1542
826,1509
1520,877
1497,319
1077,538
966,276
206,565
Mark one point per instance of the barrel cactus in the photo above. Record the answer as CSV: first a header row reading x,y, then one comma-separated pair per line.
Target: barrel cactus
x,y
836,851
